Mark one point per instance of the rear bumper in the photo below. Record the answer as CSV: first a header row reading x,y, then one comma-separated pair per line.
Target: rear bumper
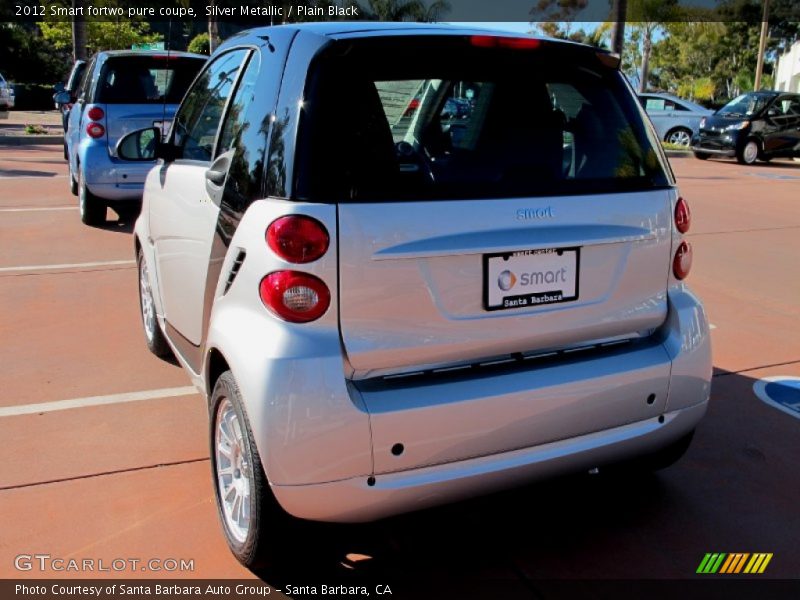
x,y
564,413
354,500
111,178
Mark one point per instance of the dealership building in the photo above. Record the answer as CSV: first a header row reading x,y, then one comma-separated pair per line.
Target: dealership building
x,y
787,75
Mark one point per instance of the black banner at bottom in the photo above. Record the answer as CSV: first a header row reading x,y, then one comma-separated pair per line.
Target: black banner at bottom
x,y
711,588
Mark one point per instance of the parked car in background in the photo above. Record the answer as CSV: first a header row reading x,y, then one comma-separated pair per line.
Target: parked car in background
x,y
754,126
676,120
121,90
384,315
6,94
71,86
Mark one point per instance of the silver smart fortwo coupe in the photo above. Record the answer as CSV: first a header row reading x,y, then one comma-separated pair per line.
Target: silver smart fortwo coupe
x,y
410,264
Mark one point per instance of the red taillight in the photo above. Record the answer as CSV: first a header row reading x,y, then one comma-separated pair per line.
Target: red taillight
x,y
95,113
682,263
95,130
297,238
294,296
493,41
683,216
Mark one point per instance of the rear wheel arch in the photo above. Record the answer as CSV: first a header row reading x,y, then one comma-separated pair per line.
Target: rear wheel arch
x,y
216,365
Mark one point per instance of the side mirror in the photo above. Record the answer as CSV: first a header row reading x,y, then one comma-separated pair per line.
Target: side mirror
x,y
139,145
145,145
62,97
59,87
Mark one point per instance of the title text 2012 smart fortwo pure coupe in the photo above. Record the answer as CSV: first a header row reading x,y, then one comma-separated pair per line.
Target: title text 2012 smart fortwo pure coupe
x,y
391,304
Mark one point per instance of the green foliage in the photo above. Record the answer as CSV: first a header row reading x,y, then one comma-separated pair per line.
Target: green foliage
x,y
35,130
404,10
200,44
27,57
596,37
102,35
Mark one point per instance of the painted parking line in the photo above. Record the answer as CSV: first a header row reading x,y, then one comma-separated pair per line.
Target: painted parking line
x,y
43,407
781,392
39,209
103,263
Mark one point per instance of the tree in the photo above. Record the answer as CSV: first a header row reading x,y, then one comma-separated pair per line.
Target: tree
x,y
648,16
404,10
100,34
200,44
78,31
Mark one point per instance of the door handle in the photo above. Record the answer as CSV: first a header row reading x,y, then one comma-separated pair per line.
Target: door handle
x,y
215,177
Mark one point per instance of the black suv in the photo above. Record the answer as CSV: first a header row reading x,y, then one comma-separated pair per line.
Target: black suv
x,y
754,126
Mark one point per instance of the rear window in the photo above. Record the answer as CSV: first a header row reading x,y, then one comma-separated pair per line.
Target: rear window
x,y
444,118
146,80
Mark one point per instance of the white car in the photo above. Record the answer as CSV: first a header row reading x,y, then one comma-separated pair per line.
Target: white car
x,y
390,306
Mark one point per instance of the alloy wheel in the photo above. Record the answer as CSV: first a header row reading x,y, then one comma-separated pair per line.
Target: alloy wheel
x,y
232,466
680,138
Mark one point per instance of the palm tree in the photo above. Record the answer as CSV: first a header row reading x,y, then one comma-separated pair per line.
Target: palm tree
x,y
405,10
78,31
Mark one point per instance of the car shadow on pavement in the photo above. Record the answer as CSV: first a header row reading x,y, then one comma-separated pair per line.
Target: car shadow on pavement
x,y
125,220
722,495
26,173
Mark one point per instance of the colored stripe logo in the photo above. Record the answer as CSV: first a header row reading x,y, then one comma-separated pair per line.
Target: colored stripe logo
x,y
733,563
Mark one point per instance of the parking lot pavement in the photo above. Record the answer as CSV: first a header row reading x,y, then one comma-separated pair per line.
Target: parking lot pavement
x,y
105,447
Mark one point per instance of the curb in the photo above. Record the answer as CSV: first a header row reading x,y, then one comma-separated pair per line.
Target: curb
x,y
677,154
31,140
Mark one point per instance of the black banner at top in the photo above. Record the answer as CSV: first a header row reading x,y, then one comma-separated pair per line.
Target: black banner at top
x,y
267,12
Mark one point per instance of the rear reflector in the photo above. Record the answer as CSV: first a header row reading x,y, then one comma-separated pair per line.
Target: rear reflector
x,y
95,130
683,216
295,296
682,263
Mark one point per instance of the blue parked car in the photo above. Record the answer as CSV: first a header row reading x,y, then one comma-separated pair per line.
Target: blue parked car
x,y
674,118
121,91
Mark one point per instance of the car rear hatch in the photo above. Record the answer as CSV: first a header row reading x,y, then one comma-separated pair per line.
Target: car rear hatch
x,y
140,91
537,221
423,283
536,218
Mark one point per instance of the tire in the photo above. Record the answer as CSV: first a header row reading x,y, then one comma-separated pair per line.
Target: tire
x,y
679,136
254,537
701,155
156,342
73,185
92,208
747,153
66,155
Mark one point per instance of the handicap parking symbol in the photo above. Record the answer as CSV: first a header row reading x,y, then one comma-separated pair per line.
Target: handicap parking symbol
x,y
781,392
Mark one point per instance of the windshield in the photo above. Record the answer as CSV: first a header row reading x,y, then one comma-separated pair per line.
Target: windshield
x,y
745,105
443,119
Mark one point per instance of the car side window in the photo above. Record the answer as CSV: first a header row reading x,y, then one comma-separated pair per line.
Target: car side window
x,y
655,104
198,119
235,120
86,80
